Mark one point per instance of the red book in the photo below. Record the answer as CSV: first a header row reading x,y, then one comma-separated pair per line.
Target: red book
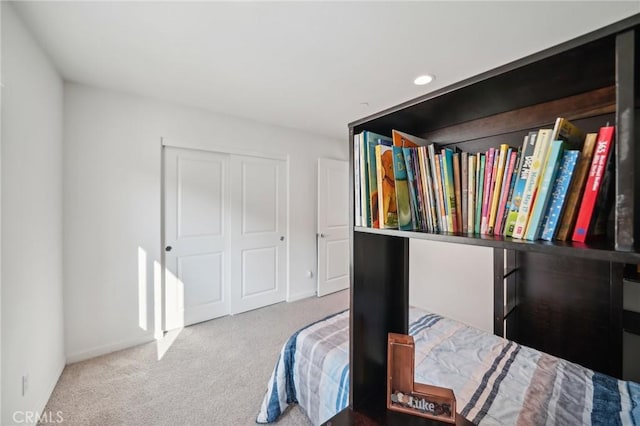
x,y
594,183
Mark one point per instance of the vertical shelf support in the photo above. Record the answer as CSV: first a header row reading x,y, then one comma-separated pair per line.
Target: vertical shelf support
x,y
381,286
498,292
627,210
511,296
616,318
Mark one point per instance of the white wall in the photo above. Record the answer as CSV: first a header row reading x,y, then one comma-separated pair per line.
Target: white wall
x,y
112,203
453,280
32,319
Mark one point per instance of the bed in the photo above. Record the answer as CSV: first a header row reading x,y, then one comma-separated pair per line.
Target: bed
x,y
495,381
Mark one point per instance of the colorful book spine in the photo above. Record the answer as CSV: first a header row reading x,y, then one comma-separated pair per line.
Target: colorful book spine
x,y
357,196
479,191
498,173
464,189
534,227
413,198
568,132
417,188
426,174
364,183
424,167
403,204
423,201
457,187
488,171
435,178
604,200
514,177
387,205
521,180
373,139
504,191
405,140
533,180
447,159
594,181
559,194
438,183
574,196
423,185
471,188
445,194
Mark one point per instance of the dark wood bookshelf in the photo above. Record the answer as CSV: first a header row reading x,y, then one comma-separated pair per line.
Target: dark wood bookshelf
x,y
631,273
596,250
351,417
563,298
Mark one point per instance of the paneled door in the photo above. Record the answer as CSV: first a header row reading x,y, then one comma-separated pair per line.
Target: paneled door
x,y
333,226
258,232
197,273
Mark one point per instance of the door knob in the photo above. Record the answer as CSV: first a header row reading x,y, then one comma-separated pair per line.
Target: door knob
x,y
281,237
168,248
322,235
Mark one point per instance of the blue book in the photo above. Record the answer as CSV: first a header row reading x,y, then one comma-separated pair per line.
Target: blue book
x,y
543,195
443,180
413,195
450,190
405,214
521,182
559,194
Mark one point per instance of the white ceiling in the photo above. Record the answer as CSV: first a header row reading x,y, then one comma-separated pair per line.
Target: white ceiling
x,y
305,65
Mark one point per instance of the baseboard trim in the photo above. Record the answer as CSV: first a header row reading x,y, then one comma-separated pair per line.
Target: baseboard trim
x,y
106,349
300,296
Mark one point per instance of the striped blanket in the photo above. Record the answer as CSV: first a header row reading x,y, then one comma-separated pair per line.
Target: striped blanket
x,y
496,381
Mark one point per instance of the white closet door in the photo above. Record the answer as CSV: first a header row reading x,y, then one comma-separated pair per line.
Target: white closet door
x,y
333,226
258,232
196,238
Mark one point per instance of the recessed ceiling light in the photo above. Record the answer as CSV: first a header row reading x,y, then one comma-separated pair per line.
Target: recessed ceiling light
x,y
423,79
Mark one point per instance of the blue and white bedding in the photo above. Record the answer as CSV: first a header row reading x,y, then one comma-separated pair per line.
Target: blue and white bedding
x,y
495,380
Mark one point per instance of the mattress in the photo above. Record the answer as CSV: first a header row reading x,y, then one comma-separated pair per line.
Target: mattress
x,y
495,381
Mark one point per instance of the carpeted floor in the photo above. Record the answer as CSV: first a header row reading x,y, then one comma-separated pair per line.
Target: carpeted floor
x,y
213,373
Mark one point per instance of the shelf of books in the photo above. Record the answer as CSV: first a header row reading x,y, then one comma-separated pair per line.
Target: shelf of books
x,y
551,192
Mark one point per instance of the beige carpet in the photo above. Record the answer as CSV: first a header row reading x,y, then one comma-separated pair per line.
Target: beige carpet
x,y
214,373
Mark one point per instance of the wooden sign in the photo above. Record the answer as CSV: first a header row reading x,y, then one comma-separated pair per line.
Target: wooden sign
x,y
404,395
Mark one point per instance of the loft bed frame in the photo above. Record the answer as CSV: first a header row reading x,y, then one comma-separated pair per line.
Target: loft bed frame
x,y
564,298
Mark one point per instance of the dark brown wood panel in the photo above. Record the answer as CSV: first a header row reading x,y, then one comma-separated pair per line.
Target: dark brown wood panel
x,y
498,292
511,276
596,250
521,84
565,309
616,320
349,417
627,209
380,287
514,139
585,105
